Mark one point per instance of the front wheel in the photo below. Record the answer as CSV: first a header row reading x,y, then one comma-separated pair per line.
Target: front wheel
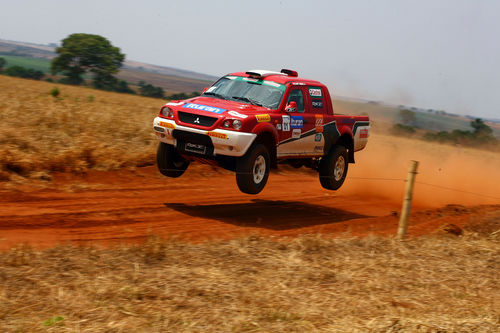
x,y
170,162
333,168
252,169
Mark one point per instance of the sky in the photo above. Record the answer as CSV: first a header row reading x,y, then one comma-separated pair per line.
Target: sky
x,y
438,54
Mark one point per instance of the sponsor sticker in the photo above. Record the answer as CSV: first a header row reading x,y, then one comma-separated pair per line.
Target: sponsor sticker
x,y
318,148
315,92
237,114
167,125
298,84
263,118
317,137
317,103
217,135
286,123
204,108
319,123
278,127
296,133
363,133
297,122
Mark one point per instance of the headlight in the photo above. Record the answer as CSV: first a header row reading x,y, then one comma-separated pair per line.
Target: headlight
x,y
236,124
227,124
167,112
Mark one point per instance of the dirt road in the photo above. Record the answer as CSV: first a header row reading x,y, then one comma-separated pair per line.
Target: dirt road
x,y
204,204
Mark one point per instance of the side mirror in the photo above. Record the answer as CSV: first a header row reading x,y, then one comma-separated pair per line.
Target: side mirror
x,y
291,107
205,89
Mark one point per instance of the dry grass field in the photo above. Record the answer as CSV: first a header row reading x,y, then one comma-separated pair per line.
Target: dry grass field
x,y
307,284
80,129
433,283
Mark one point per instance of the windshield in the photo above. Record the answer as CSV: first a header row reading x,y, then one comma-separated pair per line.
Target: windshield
x,y
252,91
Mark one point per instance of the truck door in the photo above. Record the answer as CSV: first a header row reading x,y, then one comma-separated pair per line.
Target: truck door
x,y
318,108
298,128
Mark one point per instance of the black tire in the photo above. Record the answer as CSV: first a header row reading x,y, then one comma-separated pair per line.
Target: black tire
x,y
333,168
252,169
169,162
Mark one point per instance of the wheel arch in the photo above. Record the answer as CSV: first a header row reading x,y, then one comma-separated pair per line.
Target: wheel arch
x,y
268,139
347,141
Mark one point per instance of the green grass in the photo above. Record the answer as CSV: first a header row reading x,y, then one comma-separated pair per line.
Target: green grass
x,y
38,64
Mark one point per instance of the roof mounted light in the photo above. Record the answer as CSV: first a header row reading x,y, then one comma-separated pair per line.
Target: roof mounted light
x,y
262,73
254,75
289,72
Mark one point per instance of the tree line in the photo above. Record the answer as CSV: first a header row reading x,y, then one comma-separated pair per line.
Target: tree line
x,y
20,71
86,55
481,134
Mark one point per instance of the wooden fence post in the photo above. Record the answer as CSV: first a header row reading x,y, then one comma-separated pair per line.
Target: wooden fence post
x,y
405,210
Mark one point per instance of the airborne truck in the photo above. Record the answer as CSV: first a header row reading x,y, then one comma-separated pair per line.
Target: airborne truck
x,y
249,122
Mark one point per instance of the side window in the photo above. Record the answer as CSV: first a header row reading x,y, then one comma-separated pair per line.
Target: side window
x,y
297,96
316,97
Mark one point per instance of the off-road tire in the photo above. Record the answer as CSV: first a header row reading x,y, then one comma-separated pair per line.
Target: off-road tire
x,y
252,169
333,168
170,162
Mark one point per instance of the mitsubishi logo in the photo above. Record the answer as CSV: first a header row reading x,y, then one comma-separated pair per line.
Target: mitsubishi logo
x,y
197,120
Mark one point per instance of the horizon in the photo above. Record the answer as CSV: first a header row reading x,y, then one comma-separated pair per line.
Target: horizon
x,y
431,55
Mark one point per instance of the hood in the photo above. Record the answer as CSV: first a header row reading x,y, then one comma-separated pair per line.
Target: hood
x,y
214,106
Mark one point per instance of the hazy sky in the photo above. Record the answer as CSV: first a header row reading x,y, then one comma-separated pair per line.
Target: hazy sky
x,y
440,54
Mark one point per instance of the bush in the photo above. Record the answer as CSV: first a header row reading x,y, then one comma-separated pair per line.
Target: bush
x,y
110,83
27,73
146,89
400,129
55,92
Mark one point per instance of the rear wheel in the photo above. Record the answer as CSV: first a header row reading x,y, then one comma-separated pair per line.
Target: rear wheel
x,y
170,162
252,169
333,168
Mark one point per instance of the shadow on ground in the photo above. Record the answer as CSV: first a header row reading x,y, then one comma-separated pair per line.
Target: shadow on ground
x,y
270,214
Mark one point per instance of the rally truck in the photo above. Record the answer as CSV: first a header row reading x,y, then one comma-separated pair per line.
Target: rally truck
x,y
249,122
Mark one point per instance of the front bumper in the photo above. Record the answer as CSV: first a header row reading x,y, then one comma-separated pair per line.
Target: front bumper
x,y
227,143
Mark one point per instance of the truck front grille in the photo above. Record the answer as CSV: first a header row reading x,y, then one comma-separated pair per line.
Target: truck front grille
x,y
194,119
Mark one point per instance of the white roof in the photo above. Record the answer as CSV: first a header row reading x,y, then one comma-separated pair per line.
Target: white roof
x,y
265,72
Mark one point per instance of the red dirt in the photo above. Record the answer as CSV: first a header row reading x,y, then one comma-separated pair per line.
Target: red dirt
x,y
129,205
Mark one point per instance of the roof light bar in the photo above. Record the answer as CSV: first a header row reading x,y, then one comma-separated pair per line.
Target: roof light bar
x,y
262,73
254,75
289,72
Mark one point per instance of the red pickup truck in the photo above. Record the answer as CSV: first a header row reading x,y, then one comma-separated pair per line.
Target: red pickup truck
x,y
249,122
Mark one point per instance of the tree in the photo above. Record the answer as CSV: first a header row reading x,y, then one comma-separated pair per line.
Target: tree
x,y
482,132
407,117
82,53
3,62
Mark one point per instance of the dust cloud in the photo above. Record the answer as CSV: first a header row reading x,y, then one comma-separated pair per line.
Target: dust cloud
x,y
446,174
